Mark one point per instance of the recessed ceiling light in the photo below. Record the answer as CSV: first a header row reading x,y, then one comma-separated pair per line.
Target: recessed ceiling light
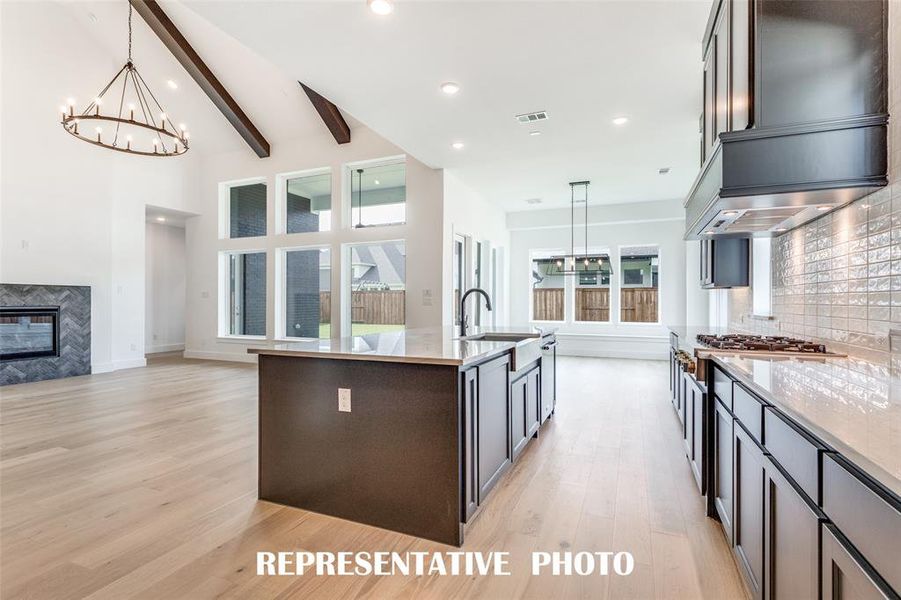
x,y
381,7
620,120
780,229
377,182
533,201
172,85
161,219
457,145
709,232
533,133
824,207
450,88
730,213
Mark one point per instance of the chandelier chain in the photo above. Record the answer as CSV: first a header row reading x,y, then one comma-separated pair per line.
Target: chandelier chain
x,y
129,32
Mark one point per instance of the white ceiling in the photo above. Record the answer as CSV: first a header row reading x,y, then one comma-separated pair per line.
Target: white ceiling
x,y
583,62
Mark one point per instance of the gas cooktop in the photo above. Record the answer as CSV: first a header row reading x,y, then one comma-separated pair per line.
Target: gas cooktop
x,y
775,343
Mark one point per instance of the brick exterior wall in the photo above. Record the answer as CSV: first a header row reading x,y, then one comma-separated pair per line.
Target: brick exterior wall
x,y
301,273
247,209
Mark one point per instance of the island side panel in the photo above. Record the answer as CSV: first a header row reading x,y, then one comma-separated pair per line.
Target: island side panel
x,y
393,461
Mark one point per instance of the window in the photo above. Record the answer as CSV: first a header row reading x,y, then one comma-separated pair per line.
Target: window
x,y
378,195
245,210
243,296
639,266
378,287
548,288
307,292
761,273
592,289
308,202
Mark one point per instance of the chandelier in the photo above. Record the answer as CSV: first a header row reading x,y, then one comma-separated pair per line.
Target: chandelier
x,y
140,125
577,264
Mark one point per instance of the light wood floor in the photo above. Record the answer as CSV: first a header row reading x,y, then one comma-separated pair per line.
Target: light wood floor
x,y
142,483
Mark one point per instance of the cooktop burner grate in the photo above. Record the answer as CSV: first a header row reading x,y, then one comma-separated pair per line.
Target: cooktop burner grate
x,y
775,343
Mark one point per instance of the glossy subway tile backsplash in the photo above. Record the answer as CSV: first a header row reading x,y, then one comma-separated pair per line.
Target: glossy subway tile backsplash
x,y
836,279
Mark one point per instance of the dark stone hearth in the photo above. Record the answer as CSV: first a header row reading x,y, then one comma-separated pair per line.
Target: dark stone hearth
x,y
74,338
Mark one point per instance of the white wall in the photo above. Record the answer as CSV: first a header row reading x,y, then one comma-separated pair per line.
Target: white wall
x,y
72,213
469,214
422,233
164,304
612,226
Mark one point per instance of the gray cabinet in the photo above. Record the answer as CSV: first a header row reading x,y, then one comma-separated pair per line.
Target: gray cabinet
x,y
518,393
494,449
725,263
695,428
470,475
533,395
748,509
722,484
524,394
844,573
791,539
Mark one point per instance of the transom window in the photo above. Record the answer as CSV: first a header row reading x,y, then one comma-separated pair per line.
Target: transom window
x,y
378,194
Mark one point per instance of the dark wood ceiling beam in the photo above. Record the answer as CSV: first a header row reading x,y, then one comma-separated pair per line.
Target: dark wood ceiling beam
x,y
330,114
172,38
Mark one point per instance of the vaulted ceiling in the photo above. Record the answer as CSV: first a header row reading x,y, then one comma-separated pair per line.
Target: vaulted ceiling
x,y
584,63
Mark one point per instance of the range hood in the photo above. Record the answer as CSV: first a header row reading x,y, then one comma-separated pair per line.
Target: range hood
x,y
762,182
814,120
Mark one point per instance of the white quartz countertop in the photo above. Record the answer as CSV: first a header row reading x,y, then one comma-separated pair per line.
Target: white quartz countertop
x,y
439,345
852,405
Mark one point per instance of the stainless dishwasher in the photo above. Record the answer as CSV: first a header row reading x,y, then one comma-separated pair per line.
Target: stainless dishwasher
x,y
548,376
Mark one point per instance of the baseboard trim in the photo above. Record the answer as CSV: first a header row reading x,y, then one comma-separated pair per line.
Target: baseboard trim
x,y
164,348
132,363
226,356
634,354
117,365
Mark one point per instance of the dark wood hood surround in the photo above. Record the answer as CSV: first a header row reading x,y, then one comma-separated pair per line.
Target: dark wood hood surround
x,y
795,113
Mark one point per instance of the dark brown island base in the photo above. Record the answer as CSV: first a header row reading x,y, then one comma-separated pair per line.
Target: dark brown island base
x,y
409,431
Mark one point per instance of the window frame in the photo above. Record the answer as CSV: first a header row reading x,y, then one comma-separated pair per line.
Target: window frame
x,y
224,314
549,254
347,172
571,298
281,207
225,207
281,283
619,281
345,287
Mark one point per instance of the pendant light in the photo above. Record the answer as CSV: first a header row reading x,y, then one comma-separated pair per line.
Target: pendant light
x,y
572,263
139,125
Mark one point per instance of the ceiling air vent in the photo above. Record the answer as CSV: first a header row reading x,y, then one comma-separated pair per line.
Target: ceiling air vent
x,y
533,201
533,117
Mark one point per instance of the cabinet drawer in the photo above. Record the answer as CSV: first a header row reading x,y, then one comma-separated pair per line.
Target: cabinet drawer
x,y
870,522
749,410
795,451
845,574
722,387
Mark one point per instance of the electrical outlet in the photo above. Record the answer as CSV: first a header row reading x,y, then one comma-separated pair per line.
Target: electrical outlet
x,y
343,399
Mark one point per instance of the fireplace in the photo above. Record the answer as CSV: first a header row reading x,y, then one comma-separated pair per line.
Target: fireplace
x,y
28,332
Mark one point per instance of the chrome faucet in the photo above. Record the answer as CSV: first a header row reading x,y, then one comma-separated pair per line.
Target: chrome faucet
x,y
463,307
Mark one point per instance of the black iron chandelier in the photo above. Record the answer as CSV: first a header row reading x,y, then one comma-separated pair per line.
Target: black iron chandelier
x,y
578,264
140,126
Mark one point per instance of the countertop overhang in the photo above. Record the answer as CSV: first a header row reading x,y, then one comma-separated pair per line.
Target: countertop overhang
x,y
434,346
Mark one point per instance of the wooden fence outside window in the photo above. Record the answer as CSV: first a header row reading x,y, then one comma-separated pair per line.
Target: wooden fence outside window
x,y
637,305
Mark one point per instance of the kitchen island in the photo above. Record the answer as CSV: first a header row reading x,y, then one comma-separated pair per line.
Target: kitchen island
x,y
408,430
